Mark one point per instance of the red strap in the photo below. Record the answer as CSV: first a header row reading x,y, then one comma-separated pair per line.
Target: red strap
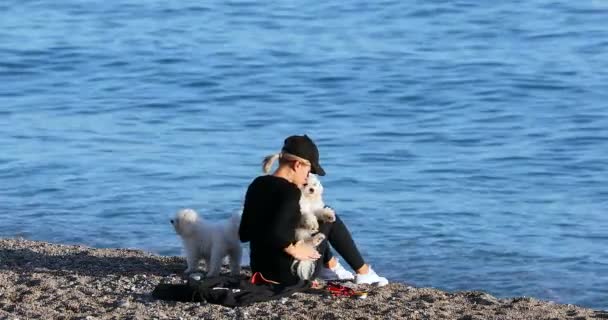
x,y
340,290
258,278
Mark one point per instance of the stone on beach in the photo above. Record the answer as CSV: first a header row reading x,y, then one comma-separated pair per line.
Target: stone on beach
x,y
42,280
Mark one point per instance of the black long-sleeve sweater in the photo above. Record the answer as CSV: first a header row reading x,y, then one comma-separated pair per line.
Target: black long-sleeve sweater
x,y
270,216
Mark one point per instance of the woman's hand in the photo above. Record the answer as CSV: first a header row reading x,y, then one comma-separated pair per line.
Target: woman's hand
x,y
302,251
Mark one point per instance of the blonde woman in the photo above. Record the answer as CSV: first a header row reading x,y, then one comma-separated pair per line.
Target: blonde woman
x,y
271,214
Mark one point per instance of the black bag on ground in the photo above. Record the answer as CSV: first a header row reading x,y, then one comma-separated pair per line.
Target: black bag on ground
x,y
227,291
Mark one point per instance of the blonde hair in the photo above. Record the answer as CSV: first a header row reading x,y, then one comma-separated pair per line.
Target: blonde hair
x,y
282,156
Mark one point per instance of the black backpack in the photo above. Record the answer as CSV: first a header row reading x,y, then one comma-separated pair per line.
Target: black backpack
x,y
227,291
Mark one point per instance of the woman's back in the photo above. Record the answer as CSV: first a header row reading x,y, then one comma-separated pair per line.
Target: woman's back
x,y
270,215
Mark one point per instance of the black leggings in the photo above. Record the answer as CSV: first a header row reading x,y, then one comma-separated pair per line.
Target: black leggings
x,y
339,237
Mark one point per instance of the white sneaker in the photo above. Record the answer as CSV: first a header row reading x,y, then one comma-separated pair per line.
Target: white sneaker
x,y
336,273
371,278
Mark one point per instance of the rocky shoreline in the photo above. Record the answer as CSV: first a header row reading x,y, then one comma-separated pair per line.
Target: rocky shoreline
x,y
40,280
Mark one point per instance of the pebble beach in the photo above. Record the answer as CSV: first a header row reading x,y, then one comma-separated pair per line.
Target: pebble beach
x,y
40,280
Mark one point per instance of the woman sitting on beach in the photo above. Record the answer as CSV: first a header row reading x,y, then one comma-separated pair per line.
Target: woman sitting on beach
x,y
272,212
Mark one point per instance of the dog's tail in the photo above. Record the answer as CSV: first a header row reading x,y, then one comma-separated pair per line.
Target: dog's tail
x,y
235,222
268,161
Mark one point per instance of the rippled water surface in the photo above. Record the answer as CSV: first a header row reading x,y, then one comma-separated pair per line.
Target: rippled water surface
x,y
466,143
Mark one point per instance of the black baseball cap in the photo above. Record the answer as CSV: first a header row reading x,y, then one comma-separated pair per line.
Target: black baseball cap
x,y
303,147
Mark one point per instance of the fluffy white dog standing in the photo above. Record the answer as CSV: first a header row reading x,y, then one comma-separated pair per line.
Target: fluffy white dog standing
x,y
211,242
313,209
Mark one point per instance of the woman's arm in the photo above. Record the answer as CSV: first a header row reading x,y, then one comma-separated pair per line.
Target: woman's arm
x,y
283,227
244,232
287,221
302,251
247,218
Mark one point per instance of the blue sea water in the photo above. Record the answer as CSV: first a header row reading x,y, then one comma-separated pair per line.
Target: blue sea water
x,y
466,142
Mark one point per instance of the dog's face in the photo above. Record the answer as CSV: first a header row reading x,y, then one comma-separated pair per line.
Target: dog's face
x,y
185,222
312,188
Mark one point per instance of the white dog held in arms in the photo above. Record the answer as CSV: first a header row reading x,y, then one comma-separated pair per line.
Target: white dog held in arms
x,y
313,209
211,242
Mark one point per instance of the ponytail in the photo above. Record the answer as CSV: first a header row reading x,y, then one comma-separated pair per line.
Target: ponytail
x,y
268,161
282,156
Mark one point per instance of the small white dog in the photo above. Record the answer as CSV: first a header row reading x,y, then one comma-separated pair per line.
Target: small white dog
x,y
313,209
211,242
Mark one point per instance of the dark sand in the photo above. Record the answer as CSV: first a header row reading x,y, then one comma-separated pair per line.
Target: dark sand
x,y
40,280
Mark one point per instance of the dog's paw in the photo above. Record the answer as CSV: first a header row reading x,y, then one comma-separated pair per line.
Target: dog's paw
x,y
317,239
327,214
191,270
195,276
310,222
235,272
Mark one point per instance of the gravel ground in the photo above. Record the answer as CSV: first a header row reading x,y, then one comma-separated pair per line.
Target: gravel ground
x,y
40,280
